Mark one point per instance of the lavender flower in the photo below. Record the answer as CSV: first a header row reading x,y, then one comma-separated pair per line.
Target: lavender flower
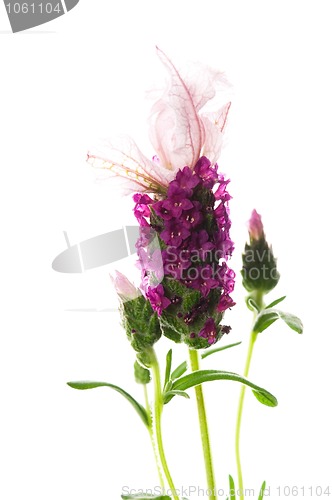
x,y
193,229
185,226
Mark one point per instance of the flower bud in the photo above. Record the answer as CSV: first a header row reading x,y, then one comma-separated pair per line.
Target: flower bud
x,y
124,288
141,323
259,271
139,320
255,226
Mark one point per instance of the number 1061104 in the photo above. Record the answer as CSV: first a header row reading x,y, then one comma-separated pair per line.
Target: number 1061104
x,y
34,8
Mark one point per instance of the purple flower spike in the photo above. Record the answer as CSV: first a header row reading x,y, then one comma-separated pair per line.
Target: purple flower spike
x,y
209,331
157,299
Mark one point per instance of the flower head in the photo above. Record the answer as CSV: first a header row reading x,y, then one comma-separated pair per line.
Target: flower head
x,y
194,281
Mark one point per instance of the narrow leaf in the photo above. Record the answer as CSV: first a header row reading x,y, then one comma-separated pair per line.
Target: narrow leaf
x,y
275,302
201,376
169,394
231,488
261,495
292,321
269,316
86,384
180,370
218,349
265,319
252,305
168,367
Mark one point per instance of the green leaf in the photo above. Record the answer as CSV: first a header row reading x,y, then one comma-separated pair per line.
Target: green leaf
x,y
168,367
218,349
231,488
169,395
201,376
261,495
145,496
180,370
292,321
86,384
252,305
265,319
269,316
275,302
142,375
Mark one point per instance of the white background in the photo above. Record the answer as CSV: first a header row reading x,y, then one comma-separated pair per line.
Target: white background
x,y
84,76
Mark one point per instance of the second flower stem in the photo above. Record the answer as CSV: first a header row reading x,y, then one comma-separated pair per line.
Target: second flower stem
x,y
253,337
150,429
158,407
258,296
194,362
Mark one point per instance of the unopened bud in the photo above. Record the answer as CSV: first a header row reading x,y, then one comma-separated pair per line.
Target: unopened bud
x,y
259,271
124,288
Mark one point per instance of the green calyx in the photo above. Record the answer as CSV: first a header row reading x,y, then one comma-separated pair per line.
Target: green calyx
x,y
259,270
141,323
185,318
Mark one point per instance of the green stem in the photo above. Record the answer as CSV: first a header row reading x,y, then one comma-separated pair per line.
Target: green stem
x,y
253,336
194,362
158,407
150,429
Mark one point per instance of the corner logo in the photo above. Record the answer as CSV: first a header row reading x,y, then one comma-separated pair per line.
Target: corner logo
x,y
28,14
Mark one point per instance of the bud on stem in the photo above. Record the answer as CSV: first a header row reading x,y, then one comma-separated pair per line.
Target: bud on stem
x,y
259,271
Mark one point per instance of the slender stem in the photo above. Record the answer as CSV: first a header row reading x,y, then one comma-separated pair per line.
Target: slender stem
x,y
150,429
253,337
158,407
194,361
258,296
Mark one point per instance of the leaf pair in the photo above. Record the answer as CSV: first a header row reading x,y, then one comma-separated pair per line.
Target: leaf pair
x,y
267,316
176,383
201,376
